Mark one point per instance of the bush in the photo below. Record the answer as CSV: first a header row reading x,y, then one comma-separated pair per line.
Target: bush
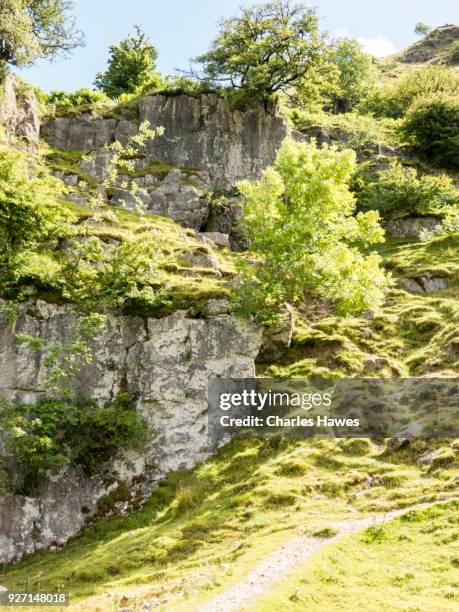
x,y
454,55
77,101
431,129
299,218
394,101
400,192
53,433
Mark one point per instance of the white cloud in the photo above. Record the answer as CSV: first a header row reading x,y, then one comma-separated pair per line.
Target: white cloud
x,y
379,46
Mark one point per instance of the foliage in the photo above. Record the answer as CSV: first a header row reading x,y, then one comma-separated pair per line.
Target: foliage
x,y
114,278
351,130
454,56
431,129
356,74
394,101
29,207
78,101
268,48
400,191
131,63
422,29
30,213
30,29
54,433
299,218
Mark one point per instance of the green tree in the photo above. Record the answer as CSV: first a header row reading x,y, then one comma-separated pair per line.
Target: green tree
x,y
431,129
356,74
299,218
31,29
131,63
422,29
270,47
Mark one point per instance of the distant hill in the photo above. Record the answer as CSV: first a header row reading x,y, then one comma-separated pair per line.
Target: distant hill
x,y
440,46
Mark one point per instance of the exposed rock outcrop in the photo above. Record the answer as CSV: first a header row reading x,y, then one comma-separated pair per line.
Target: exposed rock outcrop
x,y
410,227
200,132
19,112
205,146
164,365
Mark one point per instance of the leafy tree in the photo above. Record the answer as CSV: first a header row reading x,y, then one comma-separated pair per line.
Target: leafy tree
x,y
299,218
356,74
30,29
131,64
431,129
269,47
399,191
422,29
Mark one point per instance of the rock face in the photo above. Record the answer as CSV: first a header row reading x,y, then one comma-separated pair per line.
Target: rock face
x,y
200,132
410,227
164,365
205,146
19,113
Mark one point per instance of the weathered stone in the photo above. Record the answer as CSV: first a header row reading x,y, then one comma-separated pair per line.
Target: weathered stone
x,y
19,115
429,457
164,365
199,260
375,362
200,131
411,285
410,227
424,284
217,238
432,283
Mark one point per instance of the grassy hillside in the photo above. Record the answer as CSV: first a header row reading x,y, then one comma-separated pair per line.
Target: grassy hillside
x,y
202,530
417,562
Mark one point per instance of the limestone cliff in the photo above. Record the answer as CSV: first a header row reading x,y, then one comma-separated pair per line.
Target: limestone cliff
x,y
200,132
164,364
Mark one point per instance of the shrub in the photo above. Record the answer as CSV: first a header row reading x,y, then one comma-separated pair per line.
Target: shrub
x,y
431,129
400,192
454,54
77,101
53,433
29,206
394,101
299,218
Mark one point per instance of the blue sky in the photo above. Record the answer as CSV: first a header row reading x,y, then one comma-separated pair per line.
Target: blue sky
x,y
181,29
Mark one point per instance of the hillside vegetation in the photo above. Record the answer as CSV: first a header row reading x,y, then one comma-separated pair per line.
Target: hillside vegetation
x,y
355,225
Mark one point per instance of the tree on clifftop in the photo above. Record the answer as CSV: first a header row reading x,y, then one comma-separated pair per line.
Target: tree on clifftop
x,y
131,64
31,29
268,48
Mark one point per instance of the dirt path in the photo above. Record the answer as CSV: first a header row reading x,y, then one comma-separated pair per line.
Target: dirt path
x,y
272,569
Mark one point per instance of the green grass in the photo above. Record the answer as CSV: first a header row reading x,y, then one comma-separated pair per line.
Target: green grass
x,y
204,529
414,334
411,563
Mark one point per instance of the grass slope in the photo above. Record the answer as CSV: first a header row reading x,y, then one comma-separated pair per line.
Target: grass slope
x,y
412,334
202,530
411,563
